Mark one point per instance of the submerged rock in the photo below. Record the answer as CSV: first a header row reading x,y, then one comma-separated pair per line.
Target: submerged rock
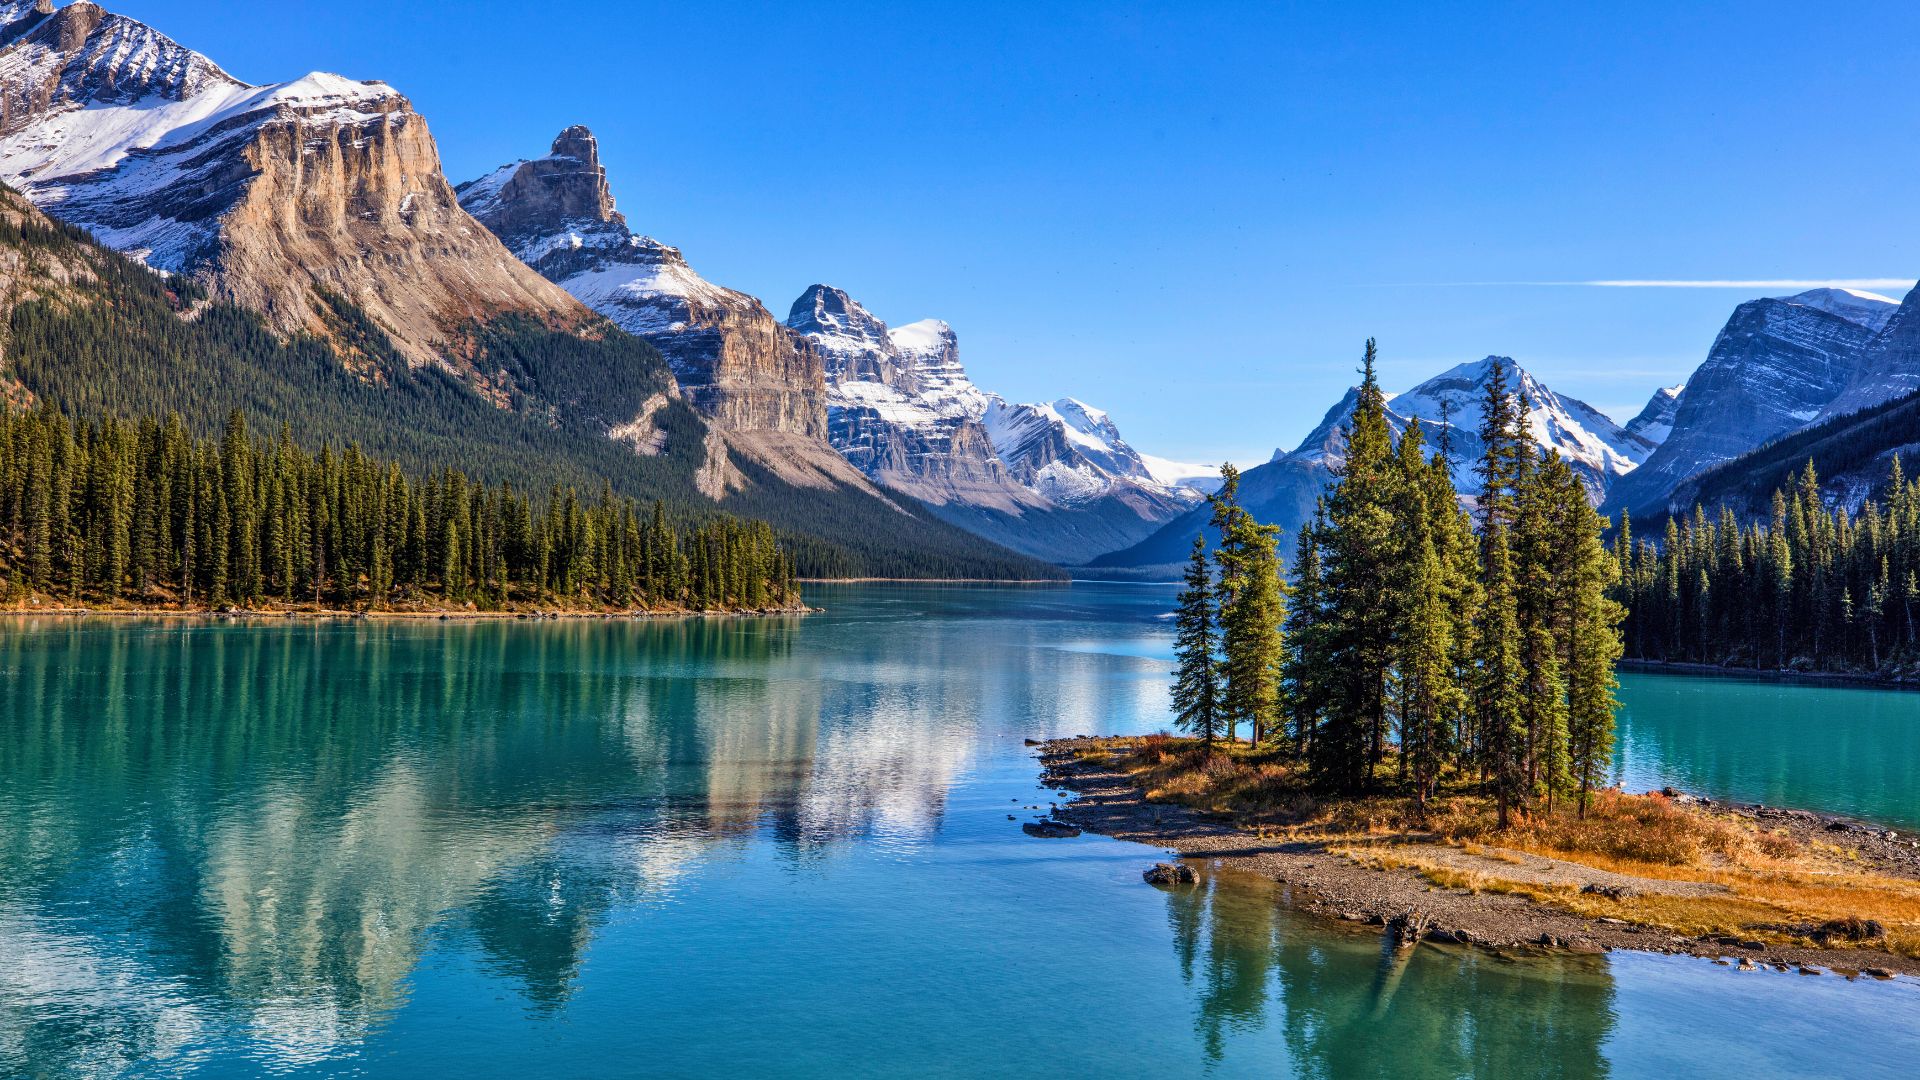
x,y
1171,874
1050,830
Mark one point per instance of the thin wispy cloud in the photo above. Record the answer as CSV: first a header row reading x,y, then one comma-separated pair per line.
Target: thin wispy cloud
x,y
1764,283
1681,283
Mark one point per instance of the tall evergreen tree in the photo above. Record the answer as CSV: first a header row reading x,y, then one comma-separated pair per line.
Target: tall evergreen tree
x,y
1363,556
1252,610
1196,686
1501,733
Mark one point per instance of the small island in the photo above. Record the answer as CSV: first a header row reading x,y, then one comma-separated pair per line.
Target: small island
x,y
1661,872
1428,695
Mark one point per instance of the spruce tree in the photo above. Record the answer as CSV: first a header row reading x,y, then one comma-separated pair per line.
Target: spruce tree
x,y
1196,686
1500,735
1362,559
1252,608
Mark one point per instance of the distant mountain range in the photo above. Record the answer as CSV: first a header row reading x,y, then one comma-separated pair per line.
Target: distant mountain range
x,y
891,405
1449,408
320,205
319,269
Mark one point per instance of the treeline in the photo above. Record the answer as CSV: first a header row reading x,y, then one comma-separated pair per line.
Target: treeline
x,y
118,340
143,512
1478,646
1809,588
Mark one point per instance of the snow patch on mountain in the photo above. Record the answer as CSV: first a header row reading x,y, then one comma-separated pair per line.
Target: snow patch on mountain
x,y
1655,421
1449,406
135,121
1201,478
1870,310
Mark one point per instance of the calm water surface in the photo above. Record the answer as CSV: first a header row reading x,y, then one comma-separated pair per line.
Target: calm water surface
x,y
780,847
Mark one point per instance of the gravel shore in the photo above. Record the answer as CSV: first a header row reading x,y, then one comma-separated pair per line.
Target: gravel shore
x,y
1317,880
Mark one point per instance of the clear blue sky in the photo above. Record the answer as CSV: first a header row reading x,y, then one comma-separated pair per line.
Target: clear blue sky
x,y
1194,218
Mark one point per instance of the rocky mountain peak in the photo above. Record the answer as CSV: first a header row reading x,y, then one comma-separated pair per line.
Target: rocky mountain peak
x,y
1654,422
836,321
733,359
274,196
1775,365
83,55
1870,310
577,142
555,212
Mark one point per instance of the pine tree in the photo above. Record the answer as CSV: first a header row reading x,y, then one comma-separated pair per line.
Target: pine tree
x,y
1501,735
1304,670
1196,687
1429,695
1362,559
1252,609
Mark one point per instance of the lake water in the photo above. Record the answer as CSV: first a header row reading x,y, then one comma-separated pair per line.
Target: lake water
x,y
775,847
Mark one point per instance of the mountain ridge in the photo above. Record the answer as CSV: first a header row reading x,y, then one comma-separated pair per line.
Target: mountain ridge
x,y
267,195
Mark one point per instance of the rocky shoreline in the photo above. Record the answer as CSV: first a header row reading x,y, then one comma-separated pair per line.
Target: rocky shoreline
x,y
1404,903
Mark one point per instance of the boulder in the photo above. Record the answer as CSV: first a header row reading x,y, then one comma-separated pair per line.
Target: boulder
x,y
1171,874
1848,931
1050,830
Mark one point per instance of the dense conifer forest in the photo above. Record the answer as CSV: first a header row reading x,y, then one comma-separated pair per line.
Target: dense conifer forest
x,y
144,513
131,344
1806,588
1412,641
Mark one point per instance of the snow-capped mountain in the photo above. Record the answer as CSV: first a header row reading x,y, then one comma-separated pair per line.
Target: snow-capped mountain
x,y
1055,480
276,196
1889,365
1654,422
1067,450
1450,405
900,407
1777,365
733,359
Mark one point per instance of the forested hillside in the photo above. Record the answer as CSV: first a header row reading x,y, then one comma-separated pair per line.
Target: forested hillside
x,y
145,513
1850,453
98,336
1808,587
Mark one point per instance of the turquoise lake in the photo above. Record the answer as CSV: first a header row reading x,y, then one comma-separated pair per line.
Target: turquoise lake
x,y
782,847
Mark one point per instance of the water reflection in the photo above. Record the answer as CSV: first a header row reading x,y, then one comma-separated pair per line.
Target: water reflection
x,y
1350,1005
281,816
749,847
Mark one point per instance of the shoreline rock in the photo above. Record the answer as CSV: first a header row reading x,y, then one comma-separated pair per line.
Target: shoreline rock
x,y
1340,890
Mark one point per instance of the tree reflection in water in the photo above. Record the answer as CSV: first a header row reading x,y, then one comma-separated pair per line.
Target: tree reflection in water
x,y
1351,1005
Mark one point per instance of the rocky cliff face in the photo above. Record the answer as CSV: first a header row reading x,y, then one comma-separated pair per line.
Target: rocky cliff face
x,y
733,359
1055,481
1889,365
1654,421
274,196
1778,364
901,409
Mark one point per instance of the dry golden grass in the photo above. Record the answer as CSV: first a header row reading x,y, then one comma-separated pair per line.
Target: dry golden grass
x,y
1776,907
1770,886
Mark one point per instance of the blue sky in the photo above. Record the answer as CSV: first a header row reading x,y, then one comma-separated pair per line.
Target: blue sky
x,y
1193,218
